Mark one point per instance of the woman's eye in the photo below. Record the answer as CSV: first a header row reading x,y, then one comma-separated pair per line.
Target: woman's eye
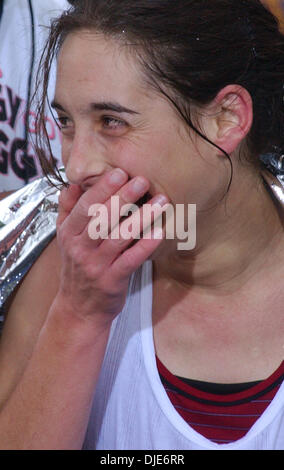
x,y
111,123
63,122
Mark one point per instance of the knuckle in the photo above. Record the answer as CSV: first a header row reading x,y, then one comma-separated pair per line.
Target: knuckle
x,y
74,252
97,270
116,244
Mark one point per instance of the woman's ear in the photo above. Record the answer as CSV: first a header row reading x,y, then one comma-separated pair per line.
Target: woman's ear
x,y
232,111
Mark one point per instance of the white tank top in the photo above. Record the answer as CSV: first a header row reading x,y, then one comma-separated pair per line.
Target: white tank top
x,y
131,409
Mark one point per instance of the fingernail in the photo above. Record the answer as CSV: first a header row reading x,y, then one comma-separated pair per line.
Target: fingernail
x,y
139,185
160,199
117,176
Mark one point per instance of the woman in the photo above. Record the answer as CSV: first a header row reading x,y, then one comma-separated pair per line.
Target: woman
x,y
176,107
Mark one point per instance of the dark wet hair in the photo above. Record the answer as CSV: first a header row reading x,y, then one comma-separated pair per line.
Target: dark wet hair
x,y
189,50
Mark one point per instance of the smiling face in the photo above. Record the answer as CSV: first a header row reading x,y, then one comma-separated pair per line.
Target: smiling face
x,y
111,118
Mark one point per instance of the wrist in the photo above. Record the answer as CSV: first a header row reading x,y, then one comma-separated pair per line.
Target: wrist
x,y
76,328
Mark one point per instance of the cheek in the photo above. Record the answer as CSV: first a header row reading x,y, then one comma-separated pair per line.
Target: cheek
x,y
155,157
132,158
65,150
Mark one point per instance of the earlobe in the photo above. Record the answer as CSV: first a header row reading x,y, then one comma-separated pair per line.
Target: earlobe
x,y
234,117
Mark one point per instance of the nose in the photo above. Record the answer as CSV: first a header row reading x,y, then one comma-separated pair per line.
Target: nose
x,y
83,160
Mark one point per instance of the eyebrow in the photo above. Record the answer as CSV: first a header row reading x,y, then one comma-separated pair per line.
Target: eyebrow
x,y
100,106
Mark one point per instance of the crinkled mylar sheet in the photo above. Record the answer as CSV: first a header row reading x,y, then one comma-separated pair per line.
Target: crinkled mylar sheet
x,y
27,224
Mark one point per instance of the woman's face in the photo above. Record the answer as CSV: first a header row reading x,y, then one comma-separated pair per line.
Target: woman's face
x,y
111,118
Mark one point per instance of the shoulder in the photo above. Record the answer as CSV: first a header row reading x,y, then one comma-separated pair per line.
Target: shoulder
x,y
28,218
26,313
32,299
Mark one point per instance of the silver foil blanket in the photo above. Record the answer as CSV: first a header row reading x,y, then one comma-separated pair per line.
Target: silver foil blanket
x,y
27,224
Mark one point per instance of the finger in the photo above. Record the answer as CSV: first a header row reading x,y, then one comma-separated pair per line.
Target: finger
x,y
130,229
134,257
107,217
99,193
67,199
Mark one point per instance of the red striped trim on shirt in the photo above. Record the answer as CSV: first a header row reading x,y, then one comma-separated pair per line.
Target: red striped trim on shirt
x,y
221,418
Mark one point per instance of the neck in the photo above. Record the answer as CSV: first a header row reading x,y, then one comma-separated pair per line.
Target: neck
x,y
237,240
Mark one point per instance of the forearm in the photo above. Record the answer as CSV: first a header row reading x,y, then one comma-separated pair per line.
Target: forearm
x,y
50,406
